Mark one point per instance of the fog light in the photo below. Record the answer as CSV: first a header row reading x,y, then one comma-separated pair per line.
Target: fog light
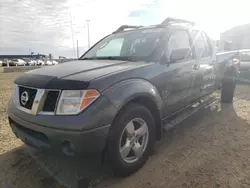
x,y
68,148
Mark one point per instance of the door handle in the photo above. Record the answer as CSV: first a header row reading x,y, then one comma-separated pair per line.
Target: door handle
x,y
195,67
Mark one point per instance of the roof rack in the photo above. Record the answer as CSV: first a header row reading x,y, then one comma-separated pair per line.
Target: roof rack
x,y
123,27
171,20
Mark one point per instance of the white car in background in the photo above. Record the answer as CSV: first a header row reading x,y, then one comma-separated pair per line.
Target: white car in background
x,y
17,62
32,63
54,62
40,62
1,63
48,62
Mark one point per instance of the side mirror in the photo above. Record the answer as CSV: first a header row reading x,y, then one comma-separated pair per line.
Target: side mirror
x,y
180,54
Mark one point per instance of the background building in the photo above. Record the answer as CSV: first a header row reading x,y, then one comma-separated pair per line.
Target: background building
x,y
236,38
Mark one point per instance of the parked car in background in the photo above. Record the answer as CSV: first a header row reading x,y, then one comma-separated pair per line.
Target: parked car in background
x,y
17,62
40,62
1,63
32,63
4,62
245,60
244,76
54,62
26,61
48,62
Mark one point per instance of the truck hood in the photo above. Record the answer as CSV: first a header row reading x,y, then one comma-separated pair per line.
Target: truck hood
x,y
60,76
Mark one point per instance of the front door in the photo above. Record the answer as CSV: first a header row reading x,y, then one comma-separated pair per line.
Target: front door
x,y
179,75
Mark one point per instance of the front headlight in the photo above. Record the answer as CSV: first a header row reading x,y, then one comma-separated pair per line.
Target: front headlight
x,y
74,101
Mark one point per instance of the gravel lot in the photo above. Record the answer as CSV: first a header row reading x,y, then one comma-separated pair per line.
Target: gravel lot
x,y
210,149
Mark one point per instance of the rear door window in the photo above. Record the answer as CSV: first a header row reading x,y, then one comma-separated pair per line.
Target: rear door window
x,y
208,44
199,44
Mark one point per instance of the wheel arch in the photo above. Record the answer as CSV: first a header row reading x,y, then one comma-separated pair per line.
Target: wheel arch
x,y
137,91
151,106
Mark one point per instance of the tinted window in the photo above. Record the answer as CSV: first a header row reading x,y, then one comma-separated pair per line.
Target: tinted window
x,y
178,40
199,44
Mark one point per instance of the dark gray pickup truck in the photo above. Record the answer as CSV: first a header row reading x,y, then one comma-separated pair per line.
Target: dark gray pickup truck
x,y
117,97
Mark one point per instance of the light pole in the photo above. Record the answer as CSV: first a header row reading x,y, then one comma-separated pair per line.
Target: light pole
x,y
88,33
77,49
73,42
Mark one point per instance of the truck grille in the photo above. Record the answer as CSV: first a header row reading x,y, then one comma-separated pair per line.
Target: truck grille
x,y
50,102
27,97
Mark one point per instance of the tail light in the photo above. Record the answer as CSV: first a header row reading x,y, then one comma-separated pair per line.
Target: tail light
x,y
236,61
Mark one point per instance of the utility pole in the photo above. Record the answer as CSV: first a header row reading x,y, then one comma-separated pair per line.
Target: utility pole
x,y
88,33
74,52
77,49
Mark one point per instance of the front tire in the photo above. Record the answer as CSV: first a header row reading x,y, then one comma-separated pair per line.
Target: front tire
x,y
131,139
227,89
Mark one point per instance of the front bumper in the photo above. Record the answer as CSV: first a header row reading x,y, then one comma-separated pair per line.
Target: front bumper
x,y
85,132
55,140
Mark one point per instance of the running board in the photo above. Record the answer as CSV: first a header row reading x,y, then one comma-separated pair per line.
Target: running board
x,y
174,120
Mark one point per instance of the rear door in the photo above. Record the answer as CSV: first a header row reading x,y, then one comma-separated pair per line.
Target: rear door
x,y
204,82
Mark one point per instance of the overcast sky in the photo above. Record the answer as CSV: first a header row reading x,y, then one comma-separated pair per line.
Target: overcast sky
x,y
44,26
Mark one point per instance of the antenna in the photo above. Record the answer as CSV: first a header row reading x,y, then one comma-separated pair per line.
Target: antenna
x,y
88,33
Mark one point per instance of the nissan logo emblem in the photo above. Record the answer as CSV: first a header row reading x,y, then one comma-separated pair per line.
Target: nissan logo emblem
x,y
24,98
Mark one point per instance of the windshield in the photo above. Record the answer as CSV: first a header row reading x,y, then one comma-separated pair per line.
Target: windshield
x,y
136,45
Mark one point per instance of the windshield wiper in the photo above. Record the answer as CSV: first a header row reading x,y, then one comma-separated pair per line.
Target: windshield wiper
x,y
122,58
115,58
100,58
88,58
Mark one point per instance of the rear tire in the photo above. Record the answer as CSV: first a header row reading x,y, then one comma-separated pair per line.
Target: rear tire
x,y
125,163
227,89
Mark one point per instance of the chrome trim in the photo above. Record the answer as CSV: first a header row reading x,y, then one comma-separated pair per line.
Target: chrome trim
x,y
38,88
46,113
24,109
38,103
16,100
